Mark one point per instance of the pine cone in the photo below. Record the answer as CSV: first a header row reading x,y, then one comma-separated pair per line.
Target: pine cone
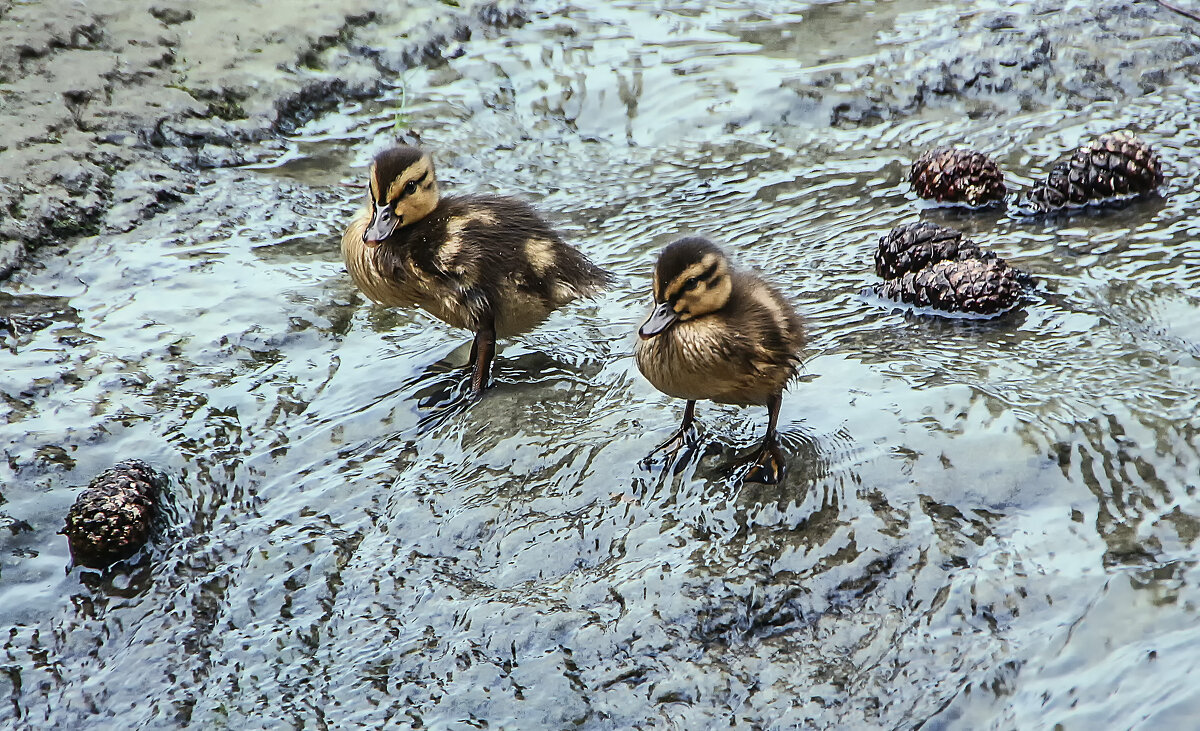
x,y
958,175
1114,165
977,286
110,520
910,247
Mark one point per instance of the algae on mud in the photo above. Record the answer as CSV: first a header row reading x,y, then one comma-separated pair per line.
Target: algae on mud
x,y
108,107
984,524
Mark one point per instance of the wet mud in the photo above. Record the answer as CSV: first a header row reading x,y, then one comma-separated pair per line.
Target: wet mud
x,y
108,109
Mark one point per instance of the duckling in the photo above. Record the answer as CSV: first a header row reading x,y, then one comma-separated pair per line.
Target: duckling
x,y
486,263
720,334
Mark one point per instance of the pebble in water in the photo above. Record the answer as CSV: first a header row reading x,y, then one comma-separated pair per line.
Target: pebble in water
x,y
958,175
110,520
933,266
1114,166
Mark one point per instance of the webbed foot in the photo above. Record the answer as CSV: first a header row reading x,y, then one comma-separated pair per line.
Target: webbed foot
x,y
668,449
678,440
766,464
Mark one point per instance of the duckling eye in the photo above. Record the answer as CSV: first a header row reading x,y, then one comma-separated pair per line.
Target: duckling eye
x,y
410,187
691,283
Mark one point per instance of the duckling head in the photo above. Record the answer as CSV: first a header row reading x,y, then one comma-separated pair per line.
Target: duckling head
x,y
403,191
691,280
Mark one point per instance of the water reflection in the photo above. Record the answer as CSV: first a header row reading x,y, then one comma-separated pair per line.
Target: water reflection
x,y
982,523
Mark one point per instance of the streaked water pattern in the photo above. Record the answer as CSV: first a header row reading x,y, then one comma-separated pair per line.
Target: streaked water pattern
x,y
984,523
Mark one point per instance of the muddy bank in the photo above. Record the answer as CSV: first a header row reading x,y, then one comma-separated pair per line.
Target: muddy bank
x,y
108,108
987,59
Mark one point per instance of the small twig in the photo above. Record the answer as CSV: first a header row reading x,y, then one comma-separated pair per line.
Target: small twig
x,y
1176,9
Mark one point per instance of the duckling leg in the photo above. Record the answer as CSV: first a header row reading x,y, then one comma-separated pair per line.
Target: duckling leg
x,y
679,439
768,460
483,351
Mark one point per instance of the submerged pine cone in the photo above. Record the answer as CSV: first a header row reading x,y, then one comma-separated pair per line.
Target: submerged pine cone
x,y
913,246
957,175
1114,165
110,520
977,286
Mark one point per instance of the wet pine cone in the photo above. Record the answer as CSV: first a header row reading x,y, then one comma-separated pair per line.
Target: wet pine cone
x,y
910,247
957,175
1114,165
110,520
977,286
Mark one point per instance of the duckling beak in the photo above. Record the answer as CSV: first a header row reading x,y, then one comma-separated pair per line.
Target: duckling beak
x,y
382,226
662,318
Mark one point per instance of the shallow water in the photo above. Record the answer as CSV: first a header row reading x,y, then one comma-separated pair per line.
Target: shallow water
x,y
984,523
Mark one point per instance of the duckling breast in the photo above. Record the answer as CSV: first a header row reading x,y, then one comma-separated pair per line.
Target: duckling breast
x,y
702,360
391,287
519,311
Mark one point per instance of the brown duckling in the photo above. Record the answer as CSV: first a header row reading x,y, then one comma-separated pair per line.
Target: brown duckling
x,y
486,263
720,334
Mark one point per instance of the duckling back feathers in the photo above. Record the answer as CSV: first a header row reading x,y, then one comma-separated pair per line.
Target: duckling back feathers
x,y
467,258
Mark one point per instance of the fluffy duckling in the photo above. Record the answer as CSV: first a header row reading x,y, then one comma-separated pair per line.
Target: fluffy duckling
x,y
486,263
720,334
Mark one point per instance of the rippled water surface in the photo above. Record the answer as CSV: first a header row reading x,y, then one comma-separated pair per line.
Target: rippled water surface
x,y
984,523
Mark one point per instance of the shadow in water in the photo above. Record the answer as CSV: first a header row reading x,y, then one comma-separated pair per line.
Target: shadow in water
x,y
803,460
442,390
718,471
124,579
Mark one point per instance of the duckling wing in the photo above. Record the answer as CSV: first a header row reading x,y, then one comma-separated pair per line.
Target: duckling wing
x,y
503,242
772,331
738,368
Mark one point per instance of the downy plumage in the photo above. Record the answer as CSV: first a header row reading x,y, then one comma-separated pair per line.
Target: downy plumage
x,y
486,263
719,334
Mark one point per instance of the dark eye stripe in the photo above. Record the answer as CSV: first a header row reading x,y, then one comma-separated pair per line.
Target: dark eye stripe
x,y
409,188
691,282
708,273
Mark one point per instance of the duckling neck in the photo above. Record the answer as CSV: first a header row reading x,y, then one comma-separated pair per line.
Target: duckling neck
x,y
415,243
388,273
